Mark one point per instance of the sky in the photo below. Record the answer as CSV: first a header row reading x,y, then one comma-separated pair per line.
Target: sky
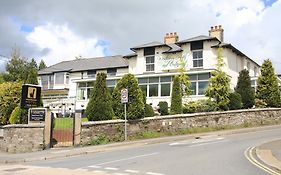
x,y
58,30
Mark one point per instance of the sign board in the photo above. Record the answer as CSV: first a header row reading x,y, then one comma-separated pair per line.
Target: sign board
x,y
124,95
30,96
37,114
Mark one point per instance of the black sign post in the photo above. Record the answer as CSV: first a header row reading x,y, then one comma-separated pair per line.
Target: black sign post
x,y
37,114
30,96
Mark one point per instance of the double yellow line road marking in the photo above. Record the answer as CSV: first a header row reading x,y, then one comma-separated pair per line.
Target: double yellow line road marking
x,y
249,155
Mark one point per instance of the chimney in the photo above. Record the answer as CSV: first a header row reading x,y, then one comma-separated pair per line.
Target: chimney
x,y
216,31
171,38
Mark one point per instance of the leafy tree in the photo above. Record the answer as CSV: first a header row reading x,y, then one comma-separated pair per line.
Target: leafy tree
x,y
10,93
99,106
176,101
42,65
219,87
245,90
235,101
267,87
135,106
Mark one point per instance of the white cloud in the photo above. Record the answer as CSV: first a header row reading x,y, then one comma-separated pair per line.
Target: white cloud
x,y
63,44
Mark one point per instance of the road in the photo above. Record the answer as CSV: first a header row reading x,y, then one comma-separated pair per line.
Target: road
x,y
212,155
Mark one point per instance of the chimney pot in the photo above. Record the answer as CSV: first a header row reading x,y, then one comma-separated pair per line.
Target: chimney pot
x,y
167,34
171,37
217,31
212,28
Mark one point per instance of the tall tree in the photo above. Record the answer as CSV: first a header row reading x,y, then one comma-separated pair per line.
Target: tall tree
x,y
267,87
245,90
135,106
99,106
176,101
219,86
16,67
42,65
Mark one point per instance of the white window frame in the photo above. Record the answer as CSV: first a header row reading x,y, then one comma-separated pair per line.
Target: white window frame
x,y
197,59
150,64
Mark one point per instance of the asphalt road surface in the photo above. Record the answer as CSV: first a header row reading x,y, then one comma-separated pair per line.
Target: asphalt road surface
x,y
212,155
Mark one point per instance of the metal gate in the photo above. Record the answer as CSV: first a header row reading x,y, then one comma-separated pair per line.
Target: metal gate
x,y
62,134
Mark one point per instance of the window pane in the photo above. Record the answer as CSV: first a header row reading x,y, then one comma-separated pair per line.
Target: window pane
x,y
200,54
192,77
110,89
144,89
203,76
90,84
59,78
165,89
44,81
195,63
89,90
193,88
253,82
150,67
165,79
153,79
51,81
200,63
110,82
81,94
150,59
142,80
82,84
149,51
91,73
202,87
153,90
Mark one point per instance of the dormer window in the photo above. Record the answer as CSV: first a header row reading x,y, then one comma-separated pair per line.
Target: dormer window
x,y
149,54
197,58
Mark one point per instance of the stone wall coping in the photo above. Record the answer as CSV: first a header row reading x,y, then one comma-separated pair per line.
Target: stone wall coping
x,y
91,123
32,125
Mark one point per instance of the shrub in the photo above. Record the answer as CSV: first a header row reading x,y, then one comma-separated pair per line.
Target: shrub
x,y
200,106
176,101
163,108
15,116
190,107
99,106
10,93
235,101
135,106
208,105
260,103
245,90
149,112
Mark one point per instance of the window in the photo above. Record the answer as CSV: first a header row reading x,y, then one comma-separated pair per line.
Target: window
x,y
149,63
91,73
51,81
110,85
59,78
197,58
84,90
199,83
255,71
111,72
165,89
44,82
153,90
248,65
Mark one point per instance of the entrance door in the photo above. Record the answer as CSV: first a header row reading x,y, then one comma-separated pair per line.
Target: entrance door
x,y
62,134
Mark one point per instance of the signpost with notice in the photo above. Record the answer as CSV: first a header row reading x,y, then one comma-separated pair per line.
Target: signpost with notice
x,y
125,99
37,115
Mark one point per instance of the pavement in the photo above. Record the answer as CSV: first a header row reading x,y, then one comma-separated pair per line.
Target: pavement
x,y
270,154
267,153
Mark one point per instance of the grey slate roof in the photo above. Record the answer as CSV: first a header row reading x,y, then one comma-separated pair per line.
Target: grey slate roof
x,y
197,38
130,55
173,48
86,64
151,44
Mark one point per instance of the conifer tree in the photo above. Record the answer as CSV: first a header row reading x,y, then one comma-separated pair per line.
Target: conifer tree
x,y
42,65
99,106
245,90
267,87
219,85
176,101
135,106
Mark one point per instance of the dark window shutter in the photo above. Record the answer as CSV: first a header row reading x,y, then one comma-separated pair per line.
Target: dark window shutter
x,y
196,45
149,51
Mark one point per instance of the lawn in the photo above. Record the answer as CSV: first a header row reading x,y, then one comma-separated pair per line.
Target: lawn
x,y
65,123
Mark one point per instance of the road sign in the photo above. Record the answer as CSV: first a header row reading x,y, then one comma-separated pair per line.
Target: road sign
x,y
37,114
30,96
124,95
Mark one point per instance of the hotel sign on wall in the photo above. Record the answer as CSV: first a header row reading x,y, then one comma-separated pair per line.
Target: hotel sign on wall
x,y
169,63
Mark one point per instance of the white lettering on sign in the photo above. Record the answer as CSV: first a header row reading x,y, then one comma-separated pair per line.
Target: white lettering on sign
x,y
124,95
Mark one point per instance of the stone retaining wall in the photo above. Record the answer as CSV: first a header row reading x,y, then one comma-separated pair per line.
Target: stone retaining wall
x,y
22,138
172,123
